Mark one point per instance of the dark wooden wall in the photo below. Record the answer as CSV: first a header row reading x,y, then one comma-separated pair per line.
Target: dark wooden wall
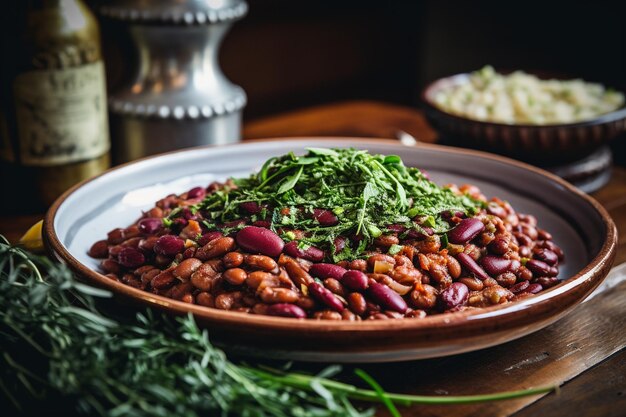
x,y
291,54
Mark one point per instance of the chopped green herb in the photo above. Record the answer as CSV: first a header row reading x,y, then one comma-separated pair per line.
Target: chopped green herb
x,y
366,192
394,249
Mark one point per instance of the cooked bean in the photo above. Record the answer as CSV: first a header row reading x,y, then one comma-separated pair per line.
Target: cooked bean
x,y
325,217
169,245
311,253
256,277
131,258
424,297
538,267
100,249
209,236
150,225
496,294
260,240
465,231
110,266
454,267
216,248
285,310
298,275
232,259
468,263
547,282
327,271
534,288
205,299
489,282
495,265
225,301
386,241
355,280
324,296
262,262
472,283
131,280
204,276
164,280
543,235
406,275
519,287
386,297
272,295
235,276
348,315
546,255
305,302
357,303
381,258
359,265
147,244
334,286
186,268
251,207
506,279
499,246
327,315
115,236
455,295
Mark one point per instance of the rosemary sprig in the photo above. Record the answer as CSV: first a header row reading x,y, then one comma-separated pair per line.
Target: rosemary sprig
x,y
56,342
366,192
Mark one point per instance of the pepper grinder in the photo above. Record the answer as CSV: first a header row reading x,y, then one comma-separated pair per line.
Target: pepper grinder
x,y
178,96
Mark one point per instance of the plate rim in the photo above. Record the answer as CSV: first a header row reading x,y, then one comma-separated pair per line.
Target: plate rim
x,y
592,273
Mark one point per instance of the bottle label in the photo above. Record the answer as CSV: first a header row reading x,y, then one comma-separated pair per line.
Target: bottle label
x,y
61,115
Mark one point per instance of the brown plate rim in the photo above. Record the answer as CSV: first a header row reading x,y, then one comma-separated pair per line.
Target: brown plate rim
x,y
517,309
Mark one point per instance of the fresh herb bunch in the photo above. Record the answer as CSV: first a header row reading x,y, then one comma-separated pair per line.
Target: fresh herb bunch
x,y
365,192
57,344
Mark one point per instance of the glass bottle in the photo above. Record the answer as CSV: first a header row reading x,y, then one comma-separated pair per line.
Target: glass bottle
x,y
56,128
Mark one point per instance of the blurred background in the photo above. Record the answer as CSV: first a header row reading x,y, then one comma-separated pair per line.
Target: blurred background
x,y
288,55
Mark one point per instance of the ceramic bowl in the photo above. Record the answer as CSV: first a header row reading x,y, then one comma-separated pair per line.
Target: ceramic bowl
x,y
578,223
546,145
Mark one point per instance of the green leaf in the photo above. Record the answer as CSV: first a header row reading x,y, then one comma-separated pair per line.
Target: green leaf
x,y
392,159
265,168
394,249
290,182
323,151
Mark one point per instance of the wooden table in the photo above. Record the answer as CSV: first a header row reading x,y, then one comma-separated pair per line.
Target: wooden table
x,y
585,349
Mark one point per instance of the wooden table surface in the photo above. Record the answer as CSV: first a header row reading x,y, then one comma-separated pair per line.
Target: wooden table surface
x,y
585,350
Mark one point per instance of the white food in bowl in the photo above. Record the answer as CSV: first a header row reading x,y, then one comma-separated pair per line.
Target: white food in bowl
x,y
521,98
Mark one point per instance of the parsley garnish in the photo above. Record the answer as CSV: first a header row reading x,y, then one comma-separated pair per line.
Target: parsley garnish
x,y
366,192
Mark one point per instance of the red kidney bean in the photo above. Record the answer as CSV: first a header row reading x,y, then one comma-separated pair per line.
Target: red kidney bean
x,y
495,265
468,263
262,223
327,271
325,296
209,236
495,209
325,217
250,207
100,249
396,228
543,235
546,255
311,253
259,240
538,267
285,310
465,231
519,287
196,192
169,245
386,297
499,245
548,244
150,225
455,295
131,258
339,244
534,288
554,271
355,280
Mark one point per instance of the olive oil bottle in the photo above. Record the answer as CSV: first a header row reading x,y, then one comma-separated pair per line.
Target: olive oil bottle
x,y
54,128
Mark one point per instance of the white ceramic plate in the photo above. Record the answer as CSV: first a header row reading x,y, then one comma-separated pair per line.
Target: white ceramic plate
x,y
579,226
